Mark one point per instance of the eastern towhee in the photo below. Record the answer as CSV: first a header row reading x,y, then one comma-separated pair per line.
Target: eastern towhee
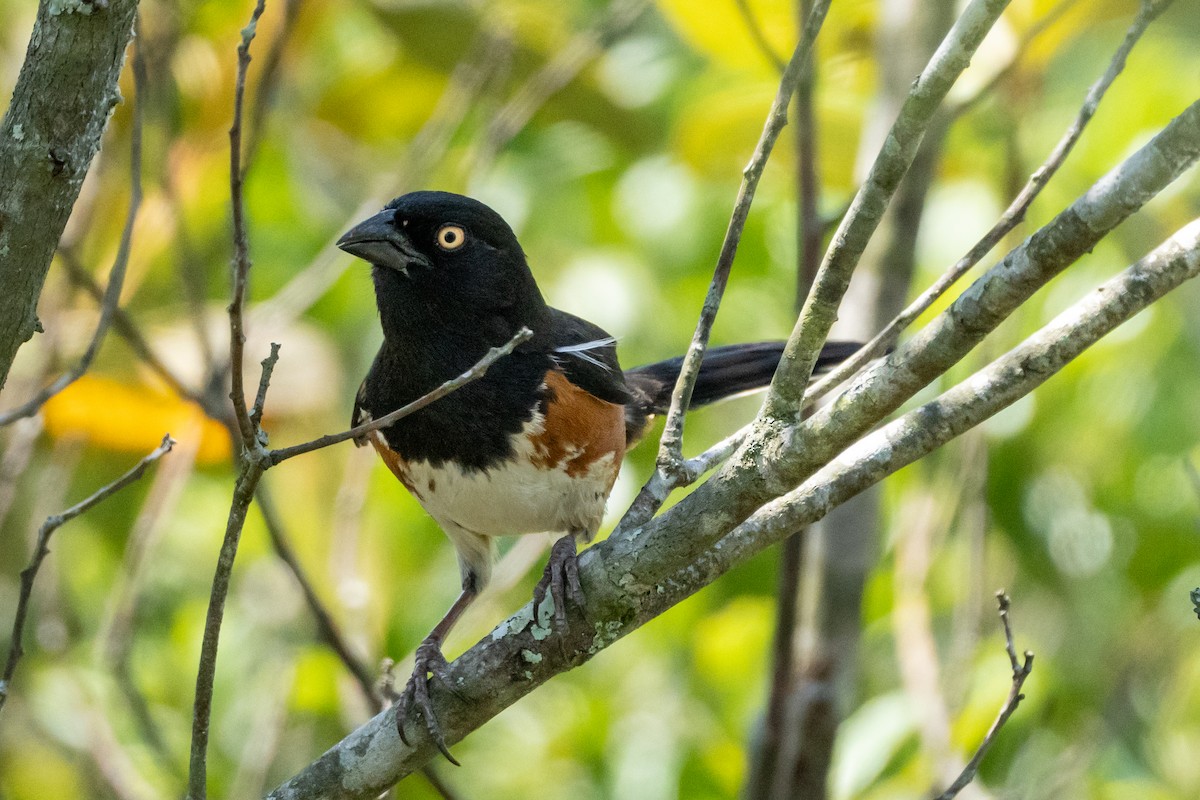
x,y
535,444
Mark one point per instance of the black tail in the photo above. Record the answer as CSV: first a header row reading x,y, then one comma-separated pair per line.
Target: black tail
x,y
725,371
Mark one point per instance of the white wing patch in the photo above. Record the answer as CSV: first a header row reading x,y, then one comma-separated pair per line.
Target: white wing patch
x,y
580,350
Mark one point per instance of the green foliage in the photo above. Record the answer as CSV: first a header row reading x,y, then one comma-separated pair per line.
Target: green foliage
x,y
620,188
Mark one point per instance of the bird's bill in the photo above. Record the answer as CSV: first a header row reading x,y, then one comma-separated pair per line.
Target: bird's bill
x,y
380,242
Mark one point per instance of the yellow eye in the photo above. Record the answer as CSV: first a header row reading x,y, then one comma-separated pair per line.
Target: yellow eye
x,y
451,237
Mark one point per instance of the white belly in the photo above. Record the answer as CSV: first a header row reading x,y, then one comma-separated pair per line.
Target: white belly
x,y
524,494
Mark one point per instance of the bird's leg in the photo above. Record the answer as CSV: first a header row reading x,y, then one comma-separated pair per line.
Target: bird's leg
x,y
430,661
562,579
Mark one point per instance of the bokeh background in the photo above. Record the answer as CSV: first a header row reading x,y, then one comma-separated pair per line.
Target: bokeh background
x,y
1078,500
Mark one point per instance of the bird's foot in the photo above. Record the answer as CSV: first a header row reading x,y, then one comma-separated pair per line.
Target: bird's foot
x,y
561,578
430,664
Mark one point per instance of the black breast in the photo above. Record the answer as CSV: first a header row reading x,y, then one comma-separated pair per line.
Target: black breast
x,y
473,426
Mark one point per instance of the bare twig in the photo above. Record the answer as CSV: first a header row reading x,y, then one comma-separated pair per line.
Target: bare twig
x,y
116,278
785,399
250,471
268,83
42,549
474,373
253,461
659,487
241,247
1012,216
250,457
1020,673
672,470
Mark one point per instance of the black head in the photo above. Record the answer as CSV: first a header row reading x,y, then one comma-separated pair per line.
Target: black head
x,y
445,259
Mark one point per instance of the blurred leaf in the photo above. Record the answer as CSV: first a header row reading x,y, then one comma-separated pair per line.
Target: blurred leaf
x,y
127,418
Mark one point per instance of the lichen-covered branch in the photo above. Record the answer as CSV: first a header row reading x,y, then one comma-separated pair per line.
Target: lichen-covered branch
x,y
768,463
627,585
785,398
672,471
1011,217
51,131
116,277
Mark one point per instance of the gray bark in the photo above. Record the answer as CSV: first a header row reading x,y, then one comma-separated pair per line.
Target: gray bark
x,y
60,106
633,577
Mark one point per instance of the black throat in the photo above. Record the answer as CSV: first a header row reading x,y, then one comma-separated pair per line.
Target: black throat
x,y
430,339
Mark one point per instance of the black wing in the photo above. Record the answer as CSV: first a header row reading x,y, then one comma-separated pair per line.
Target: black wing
x,y
586,354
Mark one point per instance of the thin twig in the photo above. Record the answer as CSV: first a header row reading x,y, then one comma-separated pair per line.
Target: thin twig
x,y
42,549
474,373
252,463
250,458
633,581
785,398
1009,220
659,487
241,246
268,83
116,278
672,470
260,398
671,446
251,470
1020,673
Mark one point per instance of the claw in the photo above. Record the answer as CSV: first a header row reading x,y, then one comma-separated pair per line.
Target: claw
x,y
429,664
561,578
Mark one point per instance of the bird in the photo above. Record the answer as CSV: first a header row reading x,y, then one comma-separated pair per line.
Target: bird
x,y
535,444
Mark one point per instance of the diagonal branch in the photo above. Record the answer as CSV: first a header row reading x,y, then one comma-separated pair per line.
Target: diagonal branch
x,y
1011,217
659,488
768,465
785,398
473,374
626,588
42,549
241,247
672,471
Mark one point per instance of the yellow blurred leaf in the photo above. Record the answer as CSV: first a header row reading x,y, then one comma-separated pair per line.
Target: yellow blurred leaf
x,y
315,686
125,418
721,31
729,644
